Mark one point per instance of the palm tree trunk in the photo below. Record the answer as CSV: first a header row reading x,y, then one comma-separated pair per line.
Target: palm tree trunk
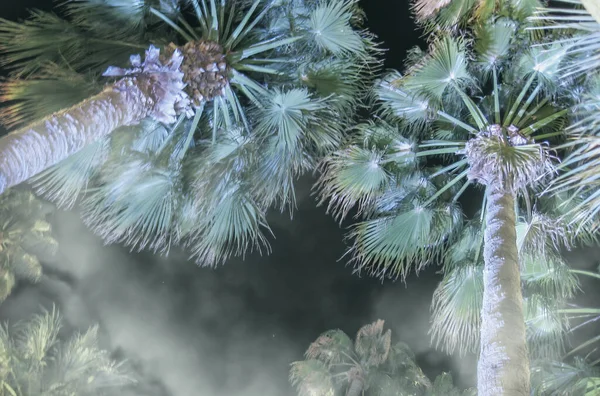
x,y
355,388
503,368
152,88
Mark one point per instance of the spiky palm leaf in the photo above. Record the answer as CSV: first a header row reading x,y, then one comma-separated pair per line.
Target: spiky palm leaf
x,y
35,361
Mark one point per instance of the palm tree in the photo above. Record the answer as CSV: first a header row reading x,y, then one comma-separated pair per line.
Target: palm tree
x,y
25,239
483,108
34,361
371,365
192,143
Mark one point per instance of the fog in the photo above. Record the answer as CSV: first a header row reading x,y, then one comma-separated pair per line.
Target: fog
x,y
232,330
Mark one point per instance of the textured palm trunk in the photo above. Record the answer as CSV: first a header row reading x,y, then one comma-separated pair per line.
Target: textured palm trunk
x,y
154,87
30,150
355,388
503,368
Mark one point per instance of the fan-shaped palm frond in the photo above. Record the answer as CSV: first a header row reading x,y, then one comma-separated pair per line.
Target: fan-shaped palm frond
x,y
557,378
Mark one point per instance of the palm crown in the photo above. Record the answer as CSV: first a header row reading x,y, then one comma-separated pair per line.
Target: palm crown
x,y
239,98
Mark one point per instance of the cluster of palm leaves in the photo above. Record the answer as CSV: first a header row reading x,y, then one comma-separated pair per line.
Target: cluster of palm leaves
x,y
25,239
369,365
203,175
35,361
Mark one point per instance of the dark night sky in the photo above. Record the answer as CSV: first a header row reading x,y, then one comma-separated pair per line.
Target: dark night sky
x,y
234,330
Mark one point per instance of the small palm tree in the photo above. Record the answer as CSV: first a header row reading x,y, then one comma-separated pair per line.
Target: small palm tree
x,y
193,142
371,365
33,361
482,107
25,238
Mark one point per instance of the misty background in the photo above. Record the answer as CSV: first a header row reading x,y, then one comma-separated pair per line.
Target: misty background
x,y
234,330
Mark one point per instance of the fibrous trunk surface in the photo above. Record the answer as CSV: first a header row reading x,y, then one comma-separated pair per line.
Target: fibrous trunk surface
x,y
503,368
28,151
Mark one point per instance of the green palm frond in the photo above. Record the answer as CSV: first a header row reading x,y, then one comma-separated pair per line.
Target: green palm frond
x,y
517,166
330,28
494,40
456,309
556,378
135,204
541,234
311,377
548,275
445,67
68,180
231,227
387,246
414,109
584,29
353,176
546,328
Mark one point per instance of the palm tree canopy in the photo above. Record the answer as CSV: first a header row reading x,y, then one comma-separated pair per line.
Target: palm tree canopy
x,y
470,110
269,88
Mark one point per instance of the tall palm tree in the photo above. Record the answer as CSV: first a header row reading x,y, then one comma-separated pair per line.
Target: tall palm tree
x,y
482,107
34,361
25,239
194,141
370,365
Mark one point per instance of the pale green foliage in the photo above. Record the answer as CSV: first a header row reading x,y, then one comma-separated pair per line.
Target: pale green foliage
x,y
25,239
487,112
384,368
295,71
35,361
